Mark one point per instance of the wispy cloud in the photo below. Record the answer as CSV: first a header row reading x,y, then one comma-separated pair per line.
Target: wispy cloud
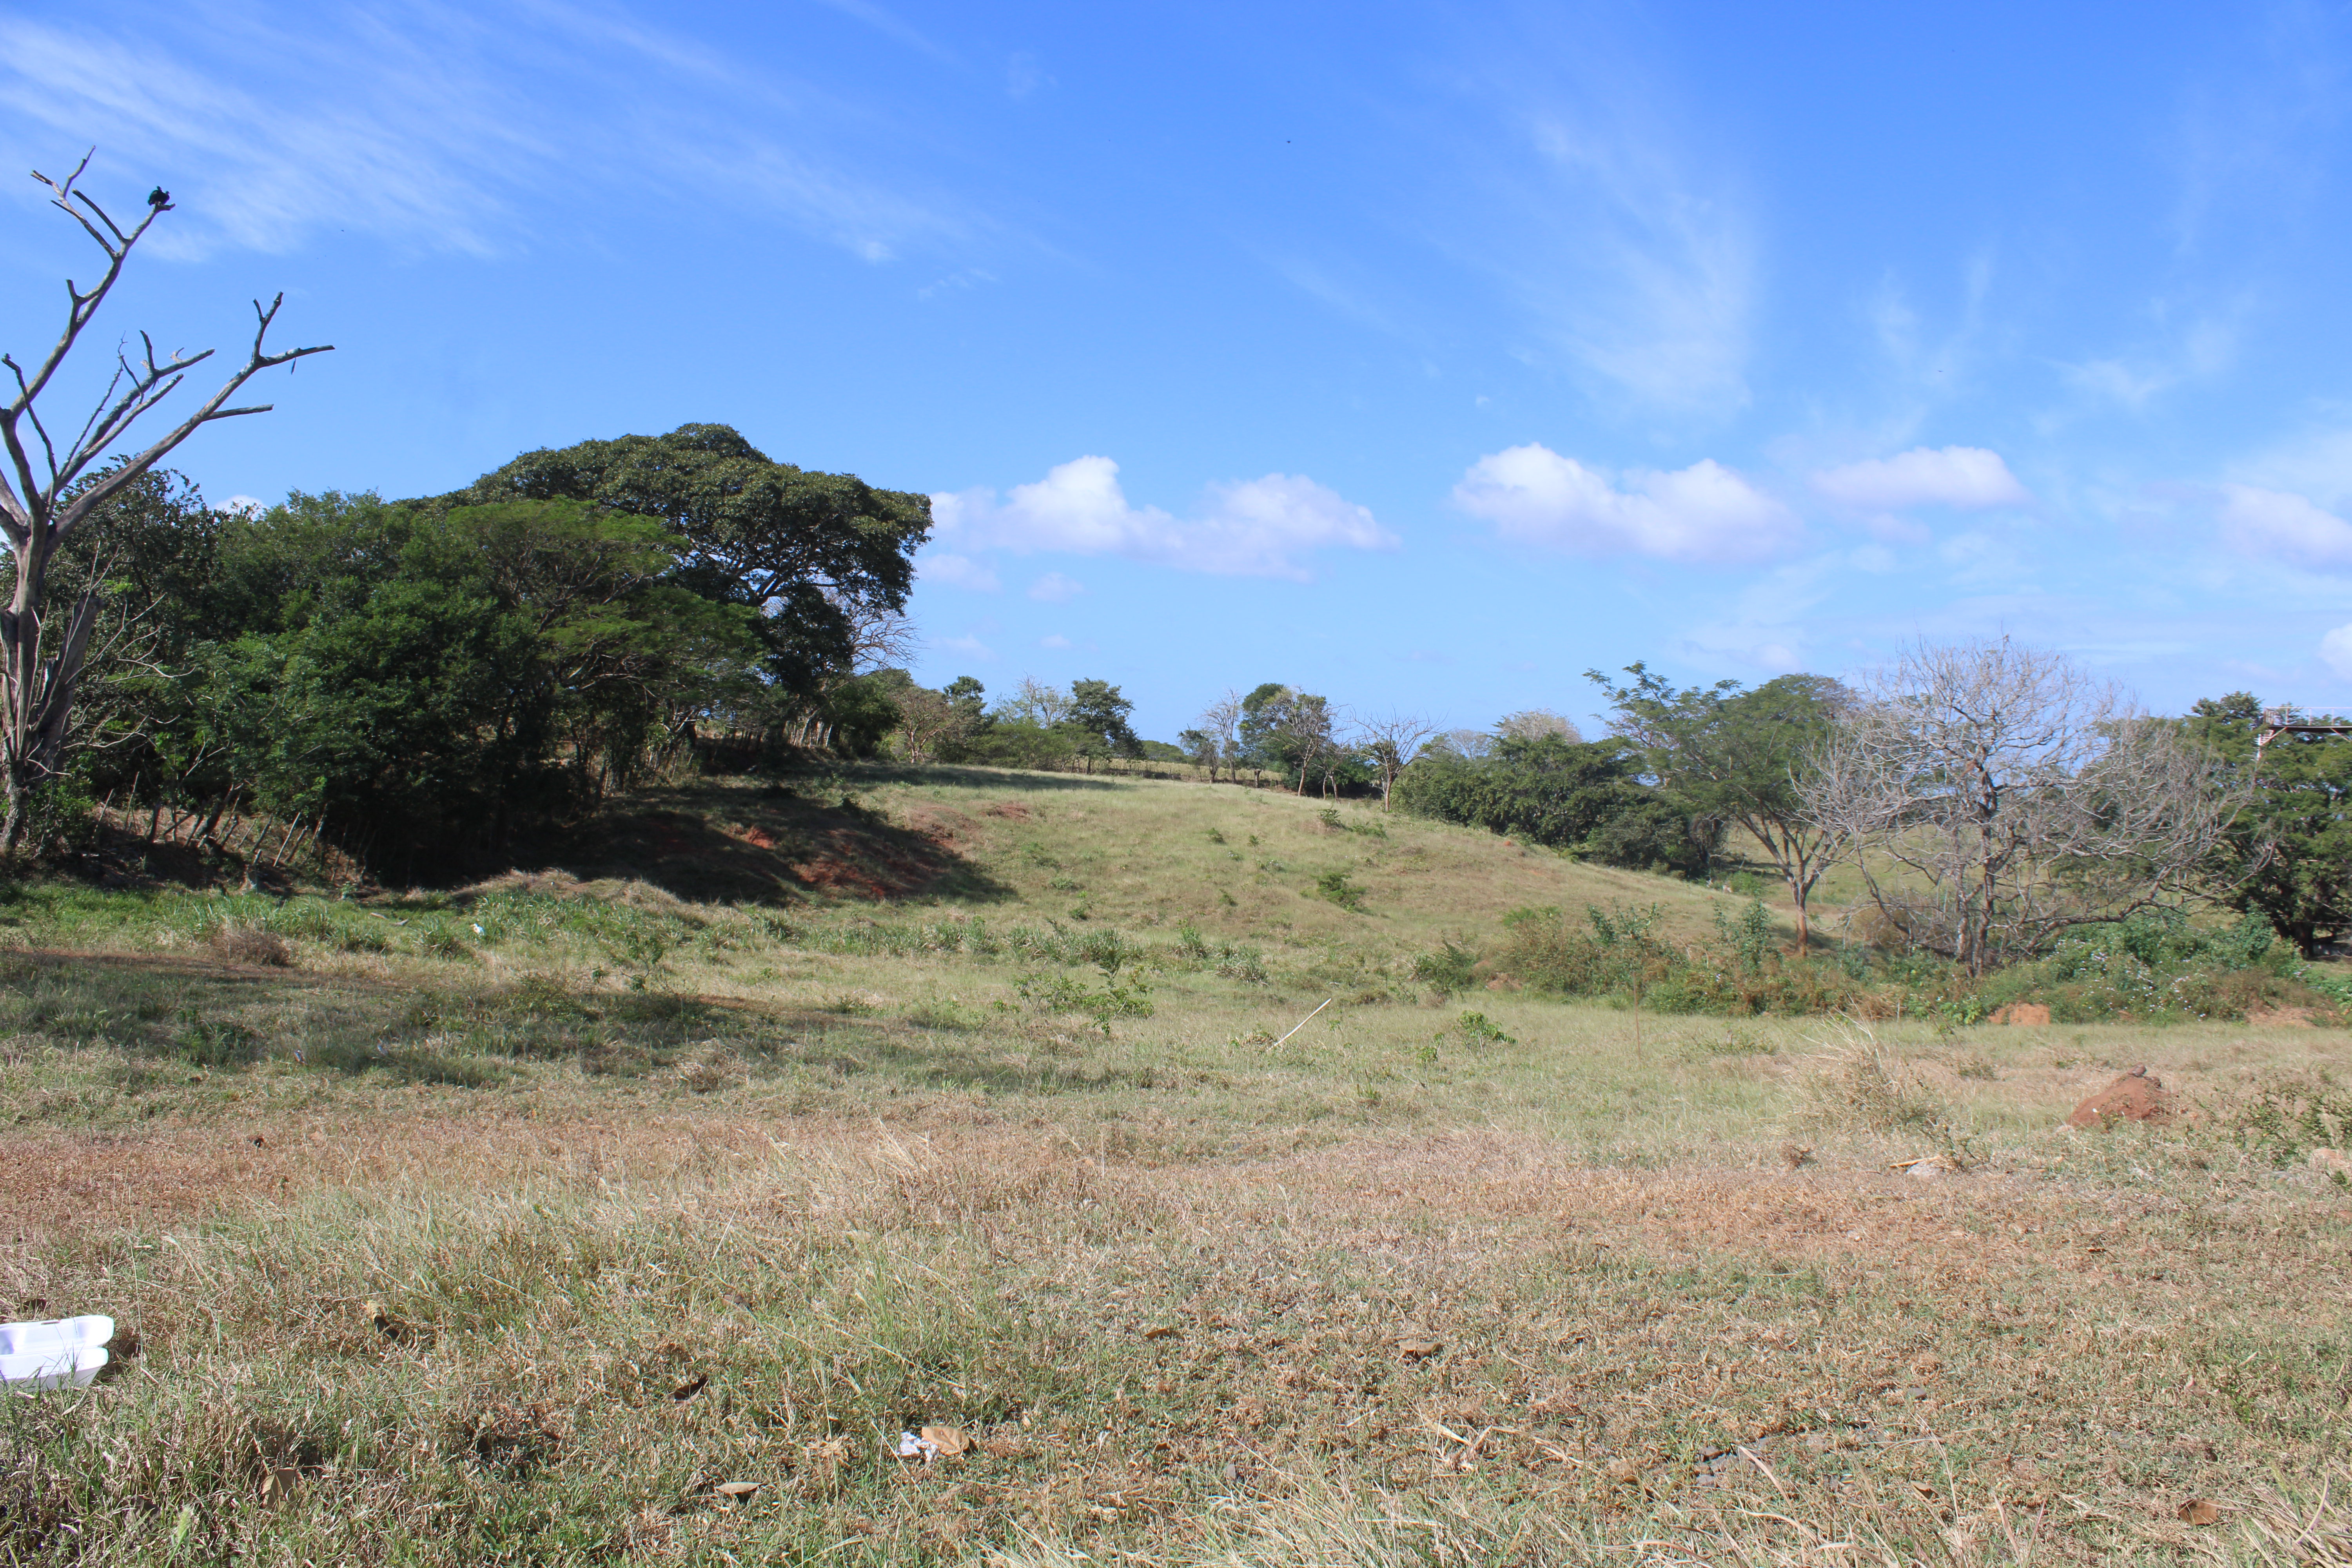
x,y
1054,588
1259,528
890,27
440,130
1703,515
1576,196
2205,346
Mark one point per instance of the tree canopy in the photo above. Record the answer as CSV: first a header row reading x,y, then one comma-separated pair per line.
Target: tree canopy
x,y
1728,756
2287,854
808,550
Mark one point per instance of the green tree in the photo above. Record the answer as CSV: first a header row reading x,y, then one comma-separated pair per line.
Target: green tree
x,y
2287,855
1284,730
1098,719
1578,795
1728,756
813,553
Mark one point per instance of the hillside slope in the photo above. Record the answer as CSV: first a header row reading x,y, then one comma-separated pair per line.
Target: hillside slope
x,y
1237,863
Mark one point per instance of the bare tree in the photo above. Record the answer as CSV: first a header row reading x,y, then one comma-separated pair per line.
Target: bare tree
x,y
879,636
41,659
1999,795
1039,704
1214,739
1391,742
1471,743
1534,725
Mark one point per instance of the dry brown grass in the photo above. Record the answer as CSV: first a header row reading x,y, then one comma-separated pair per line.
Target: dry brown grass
x,y
530,1283
248,944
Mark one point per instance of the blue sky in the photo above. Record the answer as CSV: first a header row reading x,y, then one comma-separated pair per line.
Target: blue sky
x,y
1423,356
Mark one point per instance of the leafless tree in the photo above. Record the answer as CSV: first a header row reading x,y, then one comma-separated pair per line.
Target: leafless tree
x,y
879,636
1471,743
41,657
1998,795
1390,742
1043,705
1534,725
1213,738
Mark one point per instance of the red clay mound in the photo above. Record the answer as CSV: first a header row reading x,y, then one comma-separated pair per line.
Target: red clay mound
x,y
2133,1097
2025,1013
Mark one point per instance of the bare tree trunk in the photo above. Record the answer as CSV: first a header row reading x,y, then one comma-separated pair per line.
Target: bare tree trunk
x,y
40,503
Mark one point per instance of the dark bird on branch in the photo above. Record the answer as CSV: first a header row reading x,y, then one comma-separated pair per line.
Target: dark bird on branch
x,y
159,199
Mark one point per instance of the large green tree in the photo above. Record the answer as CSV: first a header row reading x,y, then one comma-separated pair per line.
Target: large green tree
x,y
1730,755
1287,731
817,554
2287,854
1099,719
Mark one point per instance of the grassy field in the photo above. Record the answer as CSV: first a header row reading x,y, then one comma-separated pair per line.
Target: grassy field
x,y
631,1209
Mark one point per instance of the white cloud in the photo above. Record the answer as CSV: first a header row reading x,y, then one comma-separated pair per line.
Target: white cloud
x,y
2336,647
1256,527
2279,522
969,646
1054,640
1704,514
1054,588
1967,479
957,571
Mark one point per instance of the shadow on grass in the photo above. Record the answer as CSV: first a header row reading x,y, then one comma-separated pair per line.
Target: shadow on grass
x,y
712,843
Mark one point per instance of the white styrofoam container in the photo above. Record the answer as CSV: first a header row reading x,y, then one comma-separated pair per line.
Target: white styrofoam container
x,y
53,1353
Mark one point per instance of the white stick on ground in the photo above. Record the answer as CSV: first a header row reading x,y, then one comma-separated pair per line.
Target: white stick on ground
x,y
1306,1020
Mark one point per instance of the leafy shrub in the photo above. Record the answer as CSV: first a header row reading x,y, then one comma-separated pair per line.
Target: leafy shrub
x,y
1749,938
2289,1116
1335,886
1446,971
1612,954
2155,967
1617,953
1476,1028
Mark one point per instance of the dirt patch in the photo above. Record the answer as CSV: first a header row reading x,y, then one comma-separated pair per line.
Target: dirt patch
x,y
2280,1017
92,1183
1012,810
2027,1014
2133,1097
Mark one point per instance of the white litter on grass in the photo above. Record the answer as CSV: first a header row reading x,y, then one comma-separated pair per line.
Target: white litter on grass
x,y
912,1448
53,1353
